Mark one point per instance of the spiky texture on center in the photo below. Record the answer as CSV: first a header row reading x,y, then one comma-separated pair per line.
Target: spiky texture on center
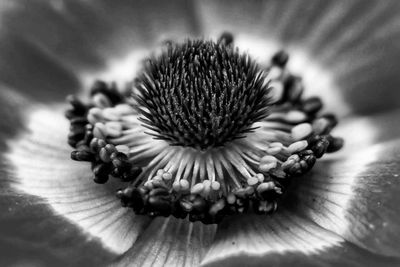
x,y
201,94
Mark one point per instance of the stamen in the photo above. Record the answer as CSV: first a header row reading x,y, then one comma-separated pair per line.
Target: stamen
x,y
204,133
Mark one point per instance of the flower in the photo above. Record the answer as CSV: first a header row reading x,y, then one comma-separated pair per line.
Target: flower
x,y
203,132
344,212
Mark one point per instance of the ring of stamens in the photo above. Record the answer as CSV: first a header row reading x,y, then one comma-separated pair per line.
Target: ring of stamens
x,y
214,179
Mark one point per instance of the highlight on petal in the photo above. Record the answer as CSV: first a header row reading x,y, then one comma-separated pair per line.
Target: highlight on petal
x,y
362,132
325,194
321,210
371,212
318,80
170,242
42,168
258,236
119,71
374,210
354,193
346,254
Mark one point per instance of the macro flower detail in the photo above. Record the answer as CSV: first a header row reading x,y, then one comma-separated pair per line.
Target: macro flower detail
x,y
203,132
106,207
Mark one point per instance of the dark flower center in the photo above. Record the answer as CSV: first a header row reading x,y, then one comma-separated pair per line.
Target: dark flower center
x,y
201,94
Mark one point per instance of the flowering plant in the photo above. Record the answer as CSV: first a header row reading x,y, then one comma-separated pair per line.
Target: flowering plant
x,y
343,211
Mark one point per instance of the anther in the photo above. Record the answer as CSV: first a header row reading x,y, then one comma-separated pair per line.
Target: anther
x,y
217,207
101,101
226,38
184,185
297,146
274,150
108,91
280,59
252,181
78,107
101,172
320,146
324,124
267,163
301,131
123,149
295,116
335,144
82,155
197,188
312,105
293,89
215,186
95,115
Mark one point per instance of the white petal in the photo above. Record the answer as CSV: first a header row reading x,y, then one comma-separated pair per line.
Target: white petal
x,y
43,168
356,200
170,242
326,208
353,193
257,236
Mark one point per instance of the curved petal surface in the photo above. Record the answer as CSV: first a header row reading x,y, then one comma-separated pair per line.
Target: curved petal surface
x,y
361,208
346,52
30,232
170,242
355,43
347,204
367,222
256,236
41,167
48,47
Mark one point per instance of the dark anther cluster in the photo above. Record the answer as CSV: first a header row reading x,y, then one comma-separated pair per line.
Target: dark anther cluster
x,y
160,202
105,159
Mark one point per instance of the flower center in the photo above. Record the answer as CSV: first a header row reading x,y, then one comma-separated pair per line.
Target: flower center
x,y
204,133
201,94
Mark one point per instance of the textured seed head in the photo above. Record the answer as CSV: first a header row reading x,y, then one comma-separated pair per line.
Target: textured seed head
x,y
201,94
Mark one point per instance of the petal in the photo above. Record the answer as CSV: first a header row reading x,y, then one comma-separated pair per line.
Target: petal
x,y
48,47
357,200
30,233
256,236
342,50
345,254
11,105
336,55
353,193
40,166
374,209
361,132
282,240
344,210
170,242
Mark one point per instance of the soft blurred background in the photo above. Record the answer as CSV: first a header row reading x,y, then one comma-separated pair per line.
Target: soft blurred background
x,y
347,51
